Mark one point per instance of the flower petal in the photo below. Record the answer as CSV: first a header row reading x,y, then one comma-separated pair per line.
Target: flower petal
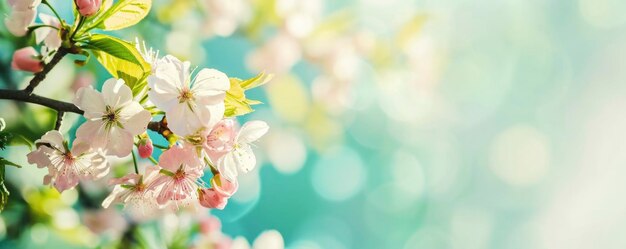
x,y
90,101
116,93
134,118
252,131
210,86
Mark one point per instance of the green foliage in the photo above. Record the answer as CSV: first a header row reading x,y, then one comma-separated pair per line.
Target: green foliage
x,y
121,59
4,193
236,102
123,14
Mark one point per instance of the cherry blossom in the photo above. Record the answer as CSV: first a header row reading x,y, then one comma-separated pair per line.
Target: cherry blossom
x,y
22,15
217,196
176,181
67,166
113,117
241,158
48,35
132,190
189,104
221,139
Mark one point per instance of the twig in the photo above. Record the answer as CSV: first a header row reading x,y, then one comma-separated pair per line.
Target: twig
x,y
24,96
57,125
46,69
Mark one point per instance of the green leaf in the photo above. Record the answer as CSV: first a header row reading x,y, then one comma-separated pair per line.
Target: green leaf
x,y
21,140
123,14
5,162
121,59
256,81
235,101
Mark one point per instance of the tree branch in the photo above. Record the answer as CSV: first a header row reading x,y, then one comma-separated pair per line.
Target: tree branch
x,y
57,125
46,69
24,96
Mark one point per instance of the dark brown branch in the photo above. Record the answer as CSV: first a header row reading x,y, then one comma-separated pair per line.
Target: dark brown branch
x,y
57,125
36,99
46,69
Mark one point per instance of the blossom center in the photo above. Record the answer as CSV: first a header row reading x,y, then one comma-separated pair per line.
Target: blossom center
x,y
111,117
179,175
185,95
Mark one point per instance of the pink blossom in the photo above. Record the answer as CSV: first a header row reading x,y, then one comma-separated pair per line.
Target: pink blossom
x,y
88,7
83,79
103,221
210,198
223,186
66,167
132,190
26,59
145,147
176,181
221,139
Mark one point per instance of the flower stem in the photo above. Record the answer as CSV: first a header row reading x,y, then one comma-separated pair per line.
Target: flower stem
x,y
52,9
31,28
135,162
153,160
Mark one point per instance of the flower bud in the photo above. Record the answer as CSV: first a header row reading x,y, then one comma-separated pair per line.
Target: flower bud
x,y
26,59
88,7
145,147
224,187
209,198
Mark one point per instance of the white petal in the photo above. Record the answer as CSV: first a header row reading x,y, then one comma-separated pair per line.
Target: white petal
x,y
120,142
134,118
116,93
112,197
210,86
244,158
54,138
182,120
90,101
162,93
93,133
227,166
252,131
269,240
210,115
17,23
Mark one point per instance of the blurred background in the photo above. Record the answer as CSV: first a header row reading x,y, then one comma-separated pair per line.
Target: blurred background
x,y
394,124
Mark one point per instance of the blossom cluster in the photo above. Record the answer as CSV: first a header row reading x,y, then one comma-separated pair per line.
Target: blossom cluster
x,y
202,139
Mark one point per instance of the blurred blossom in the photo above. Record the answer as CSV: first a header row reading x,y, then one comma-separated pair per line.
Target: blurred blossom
x,y
222,17
83,79
520,155
299,17
277,143
104,221
277,55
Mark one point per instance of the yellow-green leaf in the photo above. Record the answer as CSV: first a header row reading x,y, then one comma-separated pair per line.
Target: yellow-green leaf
x,y
121,59
124,13
256,81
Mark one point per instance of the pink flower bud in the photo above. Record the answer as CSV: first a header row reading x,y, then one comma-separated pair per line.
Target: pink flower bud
x,y
145,147
209,198
224,187
88,7
25,59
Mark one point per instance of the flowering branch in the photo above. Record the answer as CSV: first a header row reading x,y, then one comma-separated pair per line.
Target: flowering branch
x,y
24,96
40,76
